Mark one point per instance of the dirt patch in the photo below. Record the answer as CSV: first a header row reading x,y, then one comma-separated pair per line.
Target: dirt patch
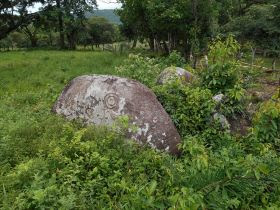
x,y
240,125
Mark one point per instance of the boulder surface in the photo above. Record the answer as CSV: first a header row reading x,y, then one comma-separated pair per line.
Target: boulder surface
x,y
100,99
173,73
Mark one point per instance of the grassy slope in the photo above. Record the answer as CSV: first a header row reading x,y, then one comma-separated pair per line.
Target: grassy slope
x,y
30,82
29,85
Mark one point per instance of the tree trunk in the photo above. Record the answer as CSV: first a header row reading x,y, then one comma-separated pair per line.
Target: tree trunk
x,y
60,25
32,36
72,40
274,64
195,62
157,45
166,48
253,56
134,43
33,41
50,39
279,89
151,43
187,51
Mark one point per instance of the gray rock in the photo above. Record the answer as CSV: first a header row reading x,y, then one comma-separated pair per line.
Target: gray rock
x,y
100,100
173,73
260,96
218,98
222,120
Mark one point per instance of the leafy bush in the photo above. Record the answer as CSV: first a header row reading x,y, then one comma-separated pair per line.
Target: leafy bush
x,y
266,125
96,167
174,59
222,73
234,102
220,77
146,70
190,108
49,163
140,68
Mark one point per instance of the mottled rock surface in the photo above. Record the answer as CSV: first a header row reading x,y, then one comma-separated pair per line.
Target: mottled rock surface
x,y
222,120
100,100
219,98
173,73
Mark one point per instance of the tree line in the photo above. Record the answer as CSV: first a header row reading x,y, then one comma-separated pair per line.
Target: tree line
x,y
95,31
189,25
166,25
61,23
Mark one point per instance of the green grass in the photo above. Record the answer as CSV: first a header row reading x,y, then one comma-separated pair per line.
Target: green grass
x,y
26,74
30,82
267,62
47,162
43,68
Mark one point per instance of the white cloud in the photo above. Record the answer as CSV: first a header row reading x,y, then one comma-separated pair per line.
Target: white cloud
x,y
102,4
108,4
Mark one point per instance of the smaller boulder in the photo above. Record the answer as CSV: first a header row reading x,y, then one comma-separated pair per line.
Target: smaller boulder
x,y
173,73
259,96
218,98
222,120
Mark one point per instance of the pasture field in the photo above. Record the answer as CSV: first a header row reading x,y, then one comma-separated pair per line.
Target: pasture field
x,y
47,162
30,82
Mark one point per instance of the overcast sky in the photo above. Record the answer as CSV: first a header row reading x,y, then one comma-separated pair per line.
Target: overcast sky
x,y
102,4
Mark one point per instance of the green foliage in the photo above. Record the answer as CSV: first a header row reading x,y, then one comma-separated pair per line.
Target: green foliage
x,y
223,75
100,31
47,162
140,68
258,24
172,21
223,71
190,108
95,167
219,78
146,70
234,102
174,59
267,123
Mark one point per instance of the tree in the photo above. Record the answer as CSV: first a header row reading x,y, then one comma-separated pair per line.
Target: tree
x,y
31,32
70,18
14,13
259,25
167,25
100,31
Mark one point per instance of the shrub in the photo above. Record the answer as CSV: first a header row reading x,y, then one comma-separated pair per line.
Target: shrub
x,y
266,124
190,108
222,73
174,59
140,68
97,168
146,70
234,102
220,77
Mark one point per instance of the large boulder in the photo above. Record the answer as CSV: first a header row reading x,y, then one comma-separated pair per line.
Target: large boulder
x,y
101,99
173,73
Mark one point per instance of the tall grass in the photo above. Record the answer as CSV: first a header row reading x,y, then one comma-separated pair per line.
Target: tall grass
x,y
30,82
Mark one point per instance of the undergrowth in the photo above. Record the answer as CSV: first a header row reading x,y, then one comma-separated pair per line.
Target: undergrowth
x,y
49,163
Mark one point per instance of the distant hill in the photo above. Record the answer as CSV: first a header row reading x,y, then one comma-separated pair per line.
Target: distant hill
x,y
109,14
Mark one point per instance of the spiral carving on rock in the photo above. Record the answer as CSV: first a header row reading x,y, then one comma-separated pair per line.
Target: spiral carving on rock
x,y
111,100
